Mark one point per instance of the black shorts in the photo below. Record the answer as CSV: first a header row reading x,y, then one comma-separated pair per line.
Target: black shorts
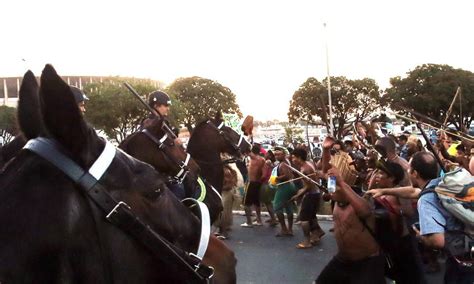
x,y
252,193
370,270
309,206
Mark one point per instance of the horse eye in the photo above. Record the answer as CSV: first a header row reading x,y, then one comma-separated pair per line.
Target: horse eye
x,y
154,194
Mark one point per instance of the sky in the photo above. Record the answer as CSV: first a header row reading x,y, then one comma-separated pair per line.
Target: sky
x,y
262,50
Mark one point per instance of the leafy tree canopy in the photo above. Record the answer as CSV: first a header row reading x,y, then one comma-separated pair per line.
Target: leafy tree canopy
x,y
351,99
199,98
8,126
113,109
430,88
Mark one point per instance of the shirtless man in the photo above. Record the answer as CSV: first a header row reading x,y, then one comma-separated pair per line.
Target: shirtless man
x,y
252,194
400,249
358,259
310,202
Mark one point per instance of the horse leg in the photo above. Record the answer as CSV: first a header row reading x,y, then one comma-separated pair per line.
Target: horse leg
x,y
222,258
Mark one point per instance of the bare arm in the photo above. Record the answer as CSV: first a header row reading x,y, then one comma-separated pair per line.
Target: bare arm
x,y
361,206
326,155
435,241
407,192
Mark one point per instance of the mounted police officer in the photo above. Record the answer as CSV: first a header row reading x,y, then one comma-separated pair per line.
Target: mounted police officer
x,y
80,98
161,102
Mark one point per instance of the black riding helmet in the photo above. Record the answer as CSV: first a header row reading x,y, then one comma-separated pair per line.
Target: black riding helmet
x,y
158,97
79,95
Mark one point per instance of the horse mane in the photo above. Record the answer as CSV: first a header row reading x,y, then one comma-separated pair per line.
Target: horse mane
x,y
204,122
200,123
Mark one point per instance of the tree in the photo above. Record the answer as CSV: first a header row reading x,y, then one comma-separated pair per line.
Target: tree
x,y
200,98
429,89
113,109
8,126
351,99
293,134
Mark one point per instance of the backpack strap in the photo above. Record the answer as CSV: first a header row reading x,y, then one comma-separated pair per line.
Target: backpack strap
x,y
426,191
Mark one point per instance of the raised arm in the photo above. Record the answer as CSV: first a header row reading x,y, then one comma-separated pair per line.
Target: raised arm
x,y
344,191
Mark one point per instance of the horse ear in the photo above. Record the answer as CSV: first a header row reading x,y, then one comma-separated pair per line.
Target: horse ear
x,y
29,110
61,115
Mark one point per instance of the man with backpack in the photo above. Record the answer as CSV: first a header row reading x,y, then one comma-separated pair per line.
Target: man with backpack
x,y
438,227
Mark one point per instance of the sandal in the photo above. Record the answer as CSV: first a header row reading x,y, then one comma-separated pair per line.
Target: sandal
x,y
303,246
245,225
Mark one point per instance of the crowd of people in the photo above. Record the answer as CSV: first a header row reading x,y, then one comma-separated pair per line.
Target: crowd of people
x,y
390,218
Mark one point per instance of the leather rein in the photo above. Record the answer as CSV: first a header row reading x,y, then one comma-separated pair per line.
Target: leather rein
x,y
120,213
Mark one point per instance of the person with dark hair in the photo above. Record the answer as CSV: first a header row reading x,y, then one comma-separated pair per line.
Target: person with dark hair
x,y
402,146
437,225
358,259
310,203
284,192
268,193
406,263
388,147
252,192
461,157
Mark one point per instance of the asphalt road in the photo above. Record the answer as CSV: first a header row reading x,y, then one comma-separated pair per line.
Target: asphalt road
x,y
264,258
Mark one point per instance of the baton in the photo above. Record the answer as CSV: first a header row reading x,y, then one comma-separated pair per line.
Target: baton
x,y
152,110
430,147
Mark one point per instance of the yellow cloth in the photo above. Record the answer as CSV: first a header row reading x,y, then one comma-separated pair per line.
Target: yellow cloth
x,y
272,180
452,149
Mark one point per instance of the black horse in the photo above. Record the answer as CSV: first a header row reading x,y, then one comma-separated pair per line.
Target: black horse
x,y
211,138
53,233
155,146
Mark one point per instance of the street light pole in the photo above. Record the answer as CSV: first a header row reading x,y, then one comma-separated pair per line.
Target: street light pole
x,y
331,125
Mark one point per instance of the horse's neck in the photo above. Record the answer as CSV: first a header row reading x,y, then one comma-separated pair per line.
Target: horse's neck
x,y
214,175
208,158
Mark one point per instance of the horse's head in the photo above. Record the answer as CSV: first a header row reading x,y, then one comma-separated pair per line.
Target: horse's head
x,y
157,147
121,176
232,142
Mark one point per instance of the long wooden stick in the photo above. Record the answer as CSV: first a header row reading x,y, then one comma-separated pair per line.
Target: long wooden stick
x,y
417,114
290,180
450,109
303,175
466,136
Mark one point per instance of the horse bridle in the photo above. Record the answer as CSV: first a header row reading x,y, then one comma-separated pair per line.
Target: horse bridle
x,y
219,130
120,213
183,165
